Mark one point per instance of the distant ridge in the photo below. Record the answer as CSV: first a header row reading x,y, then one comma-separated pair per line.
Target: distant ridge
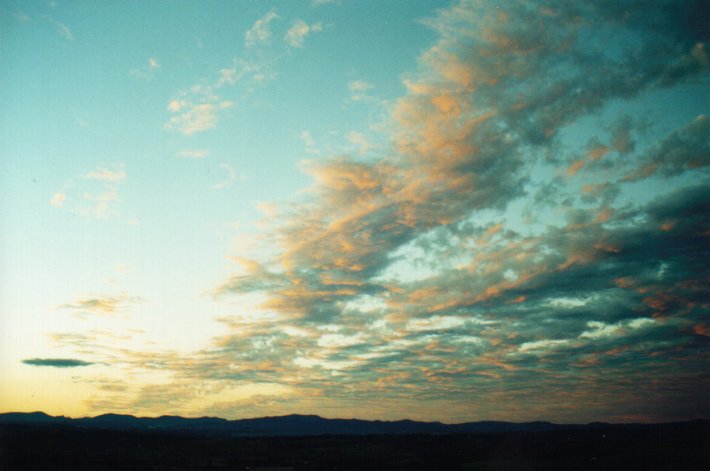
x,y
289,425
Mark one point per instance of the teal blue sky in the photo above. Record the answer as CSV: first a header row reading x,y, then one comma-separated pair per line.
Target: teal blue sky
x,y
453,210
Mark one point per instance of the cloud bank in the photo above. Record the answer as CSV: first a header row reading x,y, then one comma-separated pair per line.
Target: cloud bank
x,y
436,287
491,263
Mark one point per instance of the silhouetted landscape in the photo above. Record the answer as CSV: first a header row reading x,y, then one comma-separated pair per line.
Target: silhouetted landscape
x,y
298,442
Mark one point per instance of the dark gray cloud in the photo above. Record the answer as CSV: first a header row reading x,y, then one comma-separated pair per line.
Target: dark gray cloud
x,y
56,362
685,149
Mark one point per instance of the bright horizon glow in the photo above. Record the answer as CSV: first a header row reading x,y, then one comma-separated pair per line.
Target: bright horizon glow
x,y
433,210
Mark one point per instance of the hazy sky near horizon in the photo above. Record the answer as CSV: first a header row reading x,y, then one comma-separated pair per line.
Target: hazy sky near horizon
x,y
432,210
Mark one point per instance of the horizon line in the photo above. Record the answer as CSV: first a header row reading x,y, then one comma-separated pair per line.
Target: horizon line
x,y
697,419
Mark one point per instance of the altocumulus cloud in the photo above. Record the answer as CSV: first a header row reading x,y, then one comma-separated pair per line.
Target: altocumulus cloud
x,y
488,265
56,362
95,194
412,262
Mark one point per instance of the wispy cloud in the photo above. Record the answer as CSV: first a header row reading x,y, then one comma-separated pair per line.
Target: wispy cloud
x,y
147,72
298,31
58,199
22,16
359,90
309,142
193,153
94,194
231,176
260,32
62,29
101,304
360,140
106,174
199,108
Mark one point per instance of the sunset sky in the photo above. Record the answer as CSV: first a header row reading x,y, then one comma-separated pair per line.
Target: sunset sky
x,y
433,210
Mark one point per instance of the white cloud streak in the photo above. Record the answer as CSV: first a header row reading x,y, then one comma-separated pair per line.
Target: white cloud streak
x,y
193,153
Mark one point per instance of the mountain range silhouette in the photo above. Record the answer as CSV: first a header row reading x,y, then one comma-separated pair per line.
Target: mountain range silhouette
x,y
290,425
309,443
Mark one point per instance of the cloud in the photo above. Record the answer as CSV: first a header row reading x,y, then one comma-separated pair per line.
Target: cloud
x,y
199,108
58,199
359,86
360,140
107,175
543,345
435,323
62,29
176,105
193,153
231,176
56,362
600,329
21,16
146,72
256,72
65,31
197,118
94,194
425,232
260,31
359,90
228,76
683,150
310,143
308,139
101,304
463,269
298,31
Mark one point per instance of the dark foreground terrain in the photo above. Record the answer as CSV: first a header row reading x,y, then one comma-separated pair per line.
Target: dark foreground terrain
x,y
683,446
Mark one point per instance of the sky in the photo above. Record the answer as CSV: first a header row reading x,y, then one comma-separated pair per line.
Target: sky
x,y
435,210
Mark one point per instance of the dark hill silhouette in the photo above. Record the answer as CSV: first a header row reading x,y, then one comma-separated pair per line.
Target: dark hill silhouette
x,y
308,442
289,425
